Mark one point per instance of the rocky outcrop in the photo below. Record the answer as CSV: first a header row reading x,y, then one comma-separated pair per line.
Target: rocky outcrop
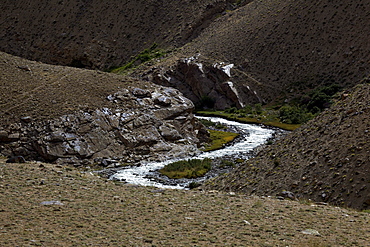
x,y
208,84
158,124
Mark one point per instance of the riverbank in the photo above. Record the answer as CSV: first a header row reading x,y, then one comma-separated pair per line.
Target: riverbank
x,y
250,137
249,120
48,205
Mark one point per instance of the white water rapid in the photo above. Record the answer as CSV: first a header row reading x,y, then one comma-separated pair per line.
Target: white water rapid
x,y
251,137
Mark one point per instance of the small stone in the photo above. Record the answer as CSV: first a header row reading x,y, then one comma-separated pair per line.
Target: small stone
x,y
27,119
287,194
24,67
3,135
14,136
311,232
141,93
51,203
16,159
163,101
247,222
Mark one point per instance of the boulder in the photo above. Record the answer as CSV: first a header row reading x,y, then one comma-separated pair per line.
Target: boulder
x,y
125,132
206,81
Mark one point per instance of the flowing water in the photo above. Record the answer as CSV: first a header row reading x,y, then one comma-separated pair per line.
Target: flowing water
x,y
251,136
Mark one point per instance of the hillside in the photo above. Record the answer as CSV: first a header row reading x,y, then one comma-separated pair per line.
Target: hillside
x,y
48,205
41,91
325,160
262,51
282,48
100,34
291,46
78,116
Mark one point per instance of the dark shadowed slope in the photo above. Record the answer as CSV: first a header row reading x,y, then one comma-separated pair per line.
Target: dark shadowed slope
x,y
327,160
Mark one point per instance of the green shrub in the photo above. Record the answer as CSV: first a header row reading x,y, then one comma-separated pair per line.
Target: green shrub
x,y
258,109
209,124
294,115
226,163
320,98
247,109
144,56
231,110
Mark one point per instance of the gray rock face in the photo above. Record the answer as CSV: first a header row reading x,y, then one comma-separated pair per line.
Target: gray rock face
x,y
141,125
200,81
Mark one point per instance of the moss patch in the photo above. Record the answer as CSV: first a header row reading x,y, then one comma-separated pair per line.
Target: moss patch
x,y
219,139
187,168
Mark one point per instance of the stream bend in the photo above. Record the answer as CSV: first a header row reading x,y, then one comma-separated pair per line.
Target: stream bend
x,y
251,136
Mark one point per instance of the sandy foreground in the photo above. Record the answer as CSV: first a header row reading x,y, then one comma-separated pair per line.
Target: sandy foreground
x,y
47,205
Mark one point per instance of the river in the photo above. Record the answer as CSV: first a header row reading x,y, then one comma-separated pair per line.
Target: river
x,y
251,136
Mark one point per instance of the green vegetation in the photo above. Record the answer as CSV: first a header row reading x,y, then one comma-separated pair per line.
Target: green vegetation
x,y
226,163
294,115
219,139
306,107
187,168
286,116
252,114
144,56
319,98
209,124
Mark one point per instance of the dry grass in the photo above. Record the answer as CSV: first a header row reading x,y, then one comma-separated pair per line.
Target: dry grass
x,y
97,212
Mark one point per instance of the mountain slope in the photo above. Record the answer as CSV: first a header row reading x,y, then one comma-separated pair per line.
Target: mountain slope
x,y
79,116
326,160
99,34
286,44
282,45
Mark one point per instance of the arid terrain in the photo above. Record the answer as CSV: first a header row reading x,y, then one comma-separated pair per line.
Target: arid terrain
x,y
62,111
48,205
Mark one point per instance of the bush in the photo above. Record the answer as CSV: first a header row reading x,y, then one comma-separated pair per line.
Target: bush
x,y
144,56
320,98
226,163
231,110
194,185
247,109
215,125
258,108
294,115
